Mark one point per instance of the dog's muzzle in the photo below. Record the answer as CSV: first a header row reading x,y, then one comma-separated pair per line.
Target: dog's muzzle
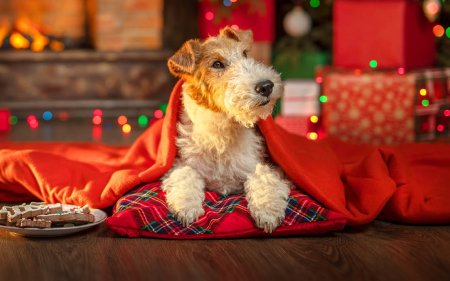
x,y
264,88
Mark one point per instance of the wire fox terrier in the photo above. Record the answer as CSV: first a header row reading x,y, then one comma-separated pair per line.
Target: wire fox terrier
x,y
219,149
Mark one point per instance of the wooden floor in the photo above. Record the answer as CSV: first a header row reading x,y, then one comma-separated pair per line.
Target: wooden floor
x,y
379,251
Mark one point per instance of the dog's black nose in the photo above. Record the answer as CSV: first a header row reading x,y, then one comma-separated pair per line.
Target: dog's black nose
x,y
264,88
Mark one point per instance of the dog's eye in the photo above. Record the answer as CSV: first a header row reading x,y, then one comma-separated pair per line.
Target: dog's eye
x,y
218,64
245,53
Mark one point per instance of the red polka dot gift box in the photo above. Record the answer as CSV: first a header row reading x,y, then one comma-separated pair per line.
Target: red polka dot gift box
x,y
384,107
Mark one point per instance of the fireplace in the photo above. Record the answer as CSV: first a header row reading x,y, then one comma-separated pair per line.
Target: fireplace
x,y
106,25
43,25
78,55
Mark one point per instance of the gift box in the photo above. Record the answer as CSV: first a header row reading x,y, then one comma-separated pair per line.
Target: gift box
x,y
382,107
254,15
382,34
300,98
258,16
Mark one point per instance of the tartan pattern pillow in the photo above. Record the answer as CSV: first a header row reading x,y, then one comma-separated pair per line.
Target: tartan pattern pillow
x,y
144,212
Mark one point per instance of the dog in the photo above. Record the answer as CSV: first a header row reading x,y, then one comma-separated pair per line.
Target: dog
x,y
224,94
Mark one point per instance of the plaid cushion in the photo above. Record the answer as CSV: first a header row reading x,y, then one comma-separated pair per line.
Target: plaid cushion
x,y
144,212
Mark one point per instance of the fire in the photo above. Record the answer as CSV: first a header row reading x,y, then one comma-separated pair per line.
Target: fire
x,y
18,41
39,43
24,34
57,46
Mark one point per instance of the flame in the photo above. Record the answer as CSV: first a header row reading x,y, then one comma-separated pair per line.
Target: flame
x,y
18,41
56,46
26,26
25,34
39,43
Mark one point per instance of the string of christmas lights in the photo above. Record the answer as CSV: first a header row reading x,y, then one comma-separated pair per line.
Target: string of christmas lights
x,y
7,120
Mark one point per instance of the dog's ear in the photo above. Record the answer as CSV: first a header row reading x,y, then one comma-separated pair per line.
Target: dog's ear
x,y
239,35
184,60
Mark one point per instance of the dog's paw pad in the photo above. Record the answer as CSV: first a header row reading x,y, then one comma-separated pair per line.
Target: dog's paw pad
x,y
188,216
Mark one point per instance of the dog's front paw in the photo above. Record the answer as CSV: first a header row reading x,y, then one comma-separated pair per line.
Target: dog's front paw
x,y
268,220
186,216
184,189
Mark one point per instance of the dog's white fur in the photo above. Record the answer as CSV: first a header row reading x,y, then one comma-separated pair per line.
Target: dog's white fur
x,y
220,150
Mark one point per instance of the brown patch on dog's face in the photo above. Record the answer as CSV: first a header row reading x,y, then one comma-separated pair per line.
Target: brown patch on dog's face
x,y
204,65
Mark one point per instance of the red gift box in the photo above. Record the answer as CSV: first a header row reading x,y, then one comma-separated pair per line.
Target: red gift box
x,y
394,33
259,16
373,107
383,107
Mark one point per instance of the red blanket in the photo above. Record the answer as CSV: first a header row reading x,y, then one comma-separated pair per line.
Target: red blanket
x,y
407,183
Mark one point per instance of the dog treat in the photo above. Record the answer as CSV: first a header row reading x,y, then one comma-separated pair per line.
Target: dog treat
x,y
38,223
42,215
68,217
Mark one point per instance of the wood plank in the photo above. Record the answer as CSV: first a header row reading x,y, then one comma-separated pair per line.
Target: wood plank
x,y
380,251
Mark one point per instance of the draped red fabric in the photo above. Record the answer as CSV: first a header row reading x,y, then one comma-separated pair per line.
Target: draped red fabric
x,y
406,183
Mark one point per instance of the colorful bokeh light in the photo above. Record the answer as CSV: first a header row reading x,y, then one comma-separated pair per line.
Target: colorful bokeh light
x,y
423,92
323,99
373,64
312,136
63,116
31,117
97,120
47,116
209,16
13,120
425,103
227,3
440,128
126,128
158,114
447,112
314,3
33,123
122,120
97,112
314,119
143,120
438,30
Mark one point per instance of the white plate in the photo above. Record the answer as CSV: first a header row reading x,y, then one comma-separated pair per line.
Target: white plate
x,y
99,215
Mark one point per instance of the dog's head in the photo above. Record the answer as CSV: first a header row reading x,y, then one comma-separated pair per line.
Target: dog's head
x,y
222,77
